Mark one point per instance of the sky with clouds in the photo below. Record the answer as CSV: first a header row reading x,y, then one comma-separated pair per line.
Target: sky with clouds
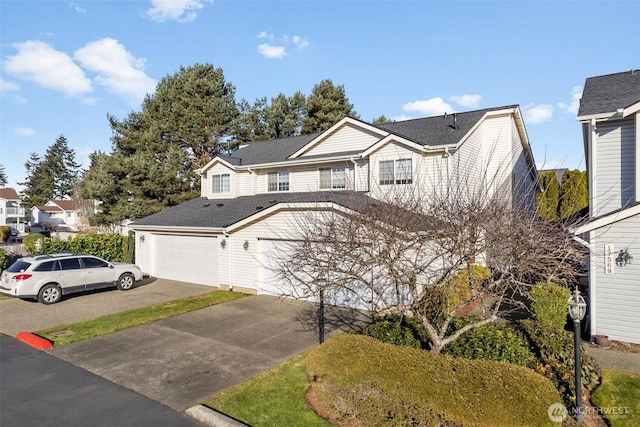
x,y
65,66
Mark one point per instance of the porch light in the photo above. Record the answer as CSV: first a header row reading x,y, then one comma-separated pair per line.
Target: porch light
x,y
577,310
245,245
624,258
223,243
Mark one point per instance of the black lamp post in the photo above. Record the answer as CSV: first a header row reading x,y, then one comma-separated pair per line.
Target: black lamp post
x,y
577,310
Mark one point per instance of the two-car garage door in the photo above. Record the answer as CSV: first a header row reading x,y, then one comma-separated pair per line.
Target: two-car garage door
x,y
191,259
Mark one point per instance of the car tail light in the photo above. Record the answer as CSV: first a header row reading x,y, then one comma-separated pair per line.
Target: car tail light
x,y
21,276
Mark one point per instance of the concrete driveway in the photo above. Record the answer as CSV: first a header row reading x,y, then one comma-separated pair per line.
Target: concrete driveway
x,y
23,315
184,359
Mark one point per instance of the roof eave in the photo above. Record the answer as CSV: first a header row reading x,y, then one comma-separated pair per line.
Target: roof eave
x,y
176,228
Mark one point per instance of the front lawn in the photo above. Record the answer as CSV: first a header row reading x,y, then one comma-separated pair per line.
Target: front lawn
x,y
618,398
272,398
67,334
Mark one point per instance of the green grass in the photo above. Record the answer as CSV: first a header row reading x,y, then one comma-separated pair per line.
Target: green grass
x,y
67,334
272,398
618,398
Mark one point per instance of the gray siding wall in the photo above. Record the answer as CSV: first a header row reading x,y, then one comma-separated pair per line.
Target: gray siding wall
x,y
614,165
616,296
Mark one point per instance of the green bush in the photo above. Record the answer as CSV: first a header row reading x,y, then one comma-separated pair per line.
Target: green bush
x,y
30,242
492,342
5,233
554,358
398,330
4,260
549,304
112,247
362,381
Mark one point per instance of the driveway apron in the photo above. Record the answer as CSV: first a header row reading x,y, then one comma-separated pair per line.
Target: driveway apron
x,y
182,360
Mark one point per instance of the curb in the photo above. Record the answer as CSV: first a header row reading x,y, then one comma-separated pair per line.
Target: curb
x,y
35,341
212,417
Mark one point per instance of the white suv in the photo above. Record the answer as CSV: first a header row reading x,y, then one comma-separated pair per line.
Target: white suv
x,y
48,277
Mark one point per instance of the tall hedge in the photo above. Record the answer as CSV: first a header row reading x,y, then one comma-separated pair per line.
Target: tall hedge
x,y
549,304
111,247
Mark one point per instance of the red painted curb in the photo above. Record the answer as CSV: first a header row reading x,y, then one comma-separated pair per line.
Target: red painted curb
x,y
35,341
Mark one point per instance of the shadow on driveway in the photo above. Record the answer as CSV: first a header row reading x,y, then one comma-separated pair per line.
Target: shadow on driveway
x,y
182,360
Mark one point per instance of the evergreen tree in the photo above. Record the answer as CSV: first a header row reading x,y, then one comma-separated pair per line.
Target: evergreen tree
x,y
38,186
381,120
4,180
547,198
326,105
60,163
574,194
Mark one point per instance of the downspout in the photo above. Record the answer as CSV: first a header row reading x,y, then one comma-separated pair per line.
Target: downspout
x,y
591,279
253,181
447,154
227,236
355,172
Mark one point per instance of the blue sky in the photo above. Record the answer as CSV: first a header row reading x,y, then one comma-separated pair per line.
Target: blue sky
x,y
65,65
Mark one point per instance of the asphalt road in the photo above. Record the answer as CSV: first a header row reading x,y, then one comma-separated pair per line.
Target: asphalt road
x,y
38,389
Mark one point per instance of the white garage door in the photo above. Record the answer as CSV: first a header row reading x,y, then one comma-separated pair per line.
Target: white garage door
x,y
270,283
191,259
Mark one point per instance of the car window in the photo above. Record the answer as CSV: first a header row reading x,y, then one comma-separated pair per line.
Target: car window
x,y
48,266
70,264
18,266
90,262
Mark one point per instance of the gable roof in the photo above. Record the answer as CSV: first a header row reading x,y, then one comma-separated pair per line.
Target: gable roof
x,y
9,194
446,129
221,213
65,205
608,93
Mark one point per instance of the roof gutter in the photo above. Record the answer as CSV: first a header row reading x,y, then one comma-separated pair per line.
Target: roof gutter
x,y
176,228
296,162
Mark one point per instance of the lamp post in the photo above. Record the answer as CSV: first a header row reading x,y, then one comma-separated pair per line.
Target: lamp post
x,y
577,310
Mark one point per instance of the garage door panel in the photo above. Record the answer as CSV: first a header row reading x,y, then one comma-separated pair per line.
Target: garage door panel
x,y
186,258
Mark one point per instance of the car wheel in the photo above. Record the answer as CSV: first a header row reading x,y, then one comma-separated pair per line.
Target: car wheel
x,y
126,281
49,294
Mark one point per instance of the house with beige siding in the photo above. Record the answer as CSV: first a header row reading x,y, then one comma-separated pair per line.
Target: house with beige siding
x,y
610,117
251,199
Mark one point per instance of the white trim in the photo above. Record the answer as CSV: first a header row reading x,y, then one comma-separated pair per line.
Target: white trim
x,y
608,220
212,162
631,109
165,229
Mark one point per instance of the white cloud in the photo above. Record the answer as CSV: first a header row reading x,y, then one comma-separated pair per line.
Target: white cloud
x,y
469,101
271,52
300,42
176,10
117,69
537,113
576,94
6,86
23,131
429,107
277,46
38,62
77,8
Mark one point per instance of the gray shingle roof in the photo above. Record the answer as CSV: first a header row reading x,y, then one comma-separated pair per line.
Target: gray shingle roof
x,y
430,131
220,213
438,130
605,94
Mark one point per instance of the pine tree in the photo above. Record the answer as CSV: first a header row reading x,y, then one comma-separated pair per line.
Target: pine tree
x,y
4,180
326,106
574,194
547,198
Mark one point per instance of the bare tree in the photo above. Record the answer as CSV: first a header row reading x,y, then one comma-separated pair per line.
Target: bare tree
x,y
400,253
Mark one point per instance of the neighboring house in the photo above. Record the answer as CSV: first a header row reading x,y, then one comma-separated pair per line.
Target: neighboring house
x,y
10,210
62,214
610,116
251,200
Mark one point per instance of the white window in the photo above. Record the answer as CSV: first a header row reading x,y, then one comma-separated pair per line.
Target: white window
x,y
396,172
278,181
221,183
332,178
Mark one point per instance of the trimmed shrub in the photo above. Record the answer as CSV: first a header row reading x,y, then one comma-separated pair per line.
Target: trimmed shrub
x,y
554,358
111,247
4,260
493,342
398,330
549,304
361,381
5,233
30,242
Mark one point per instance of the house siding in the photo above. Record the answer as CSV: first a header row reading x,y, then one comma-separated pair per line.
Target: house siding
x,y
393,151
616,296
206,189
614,165
347,138
468,162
